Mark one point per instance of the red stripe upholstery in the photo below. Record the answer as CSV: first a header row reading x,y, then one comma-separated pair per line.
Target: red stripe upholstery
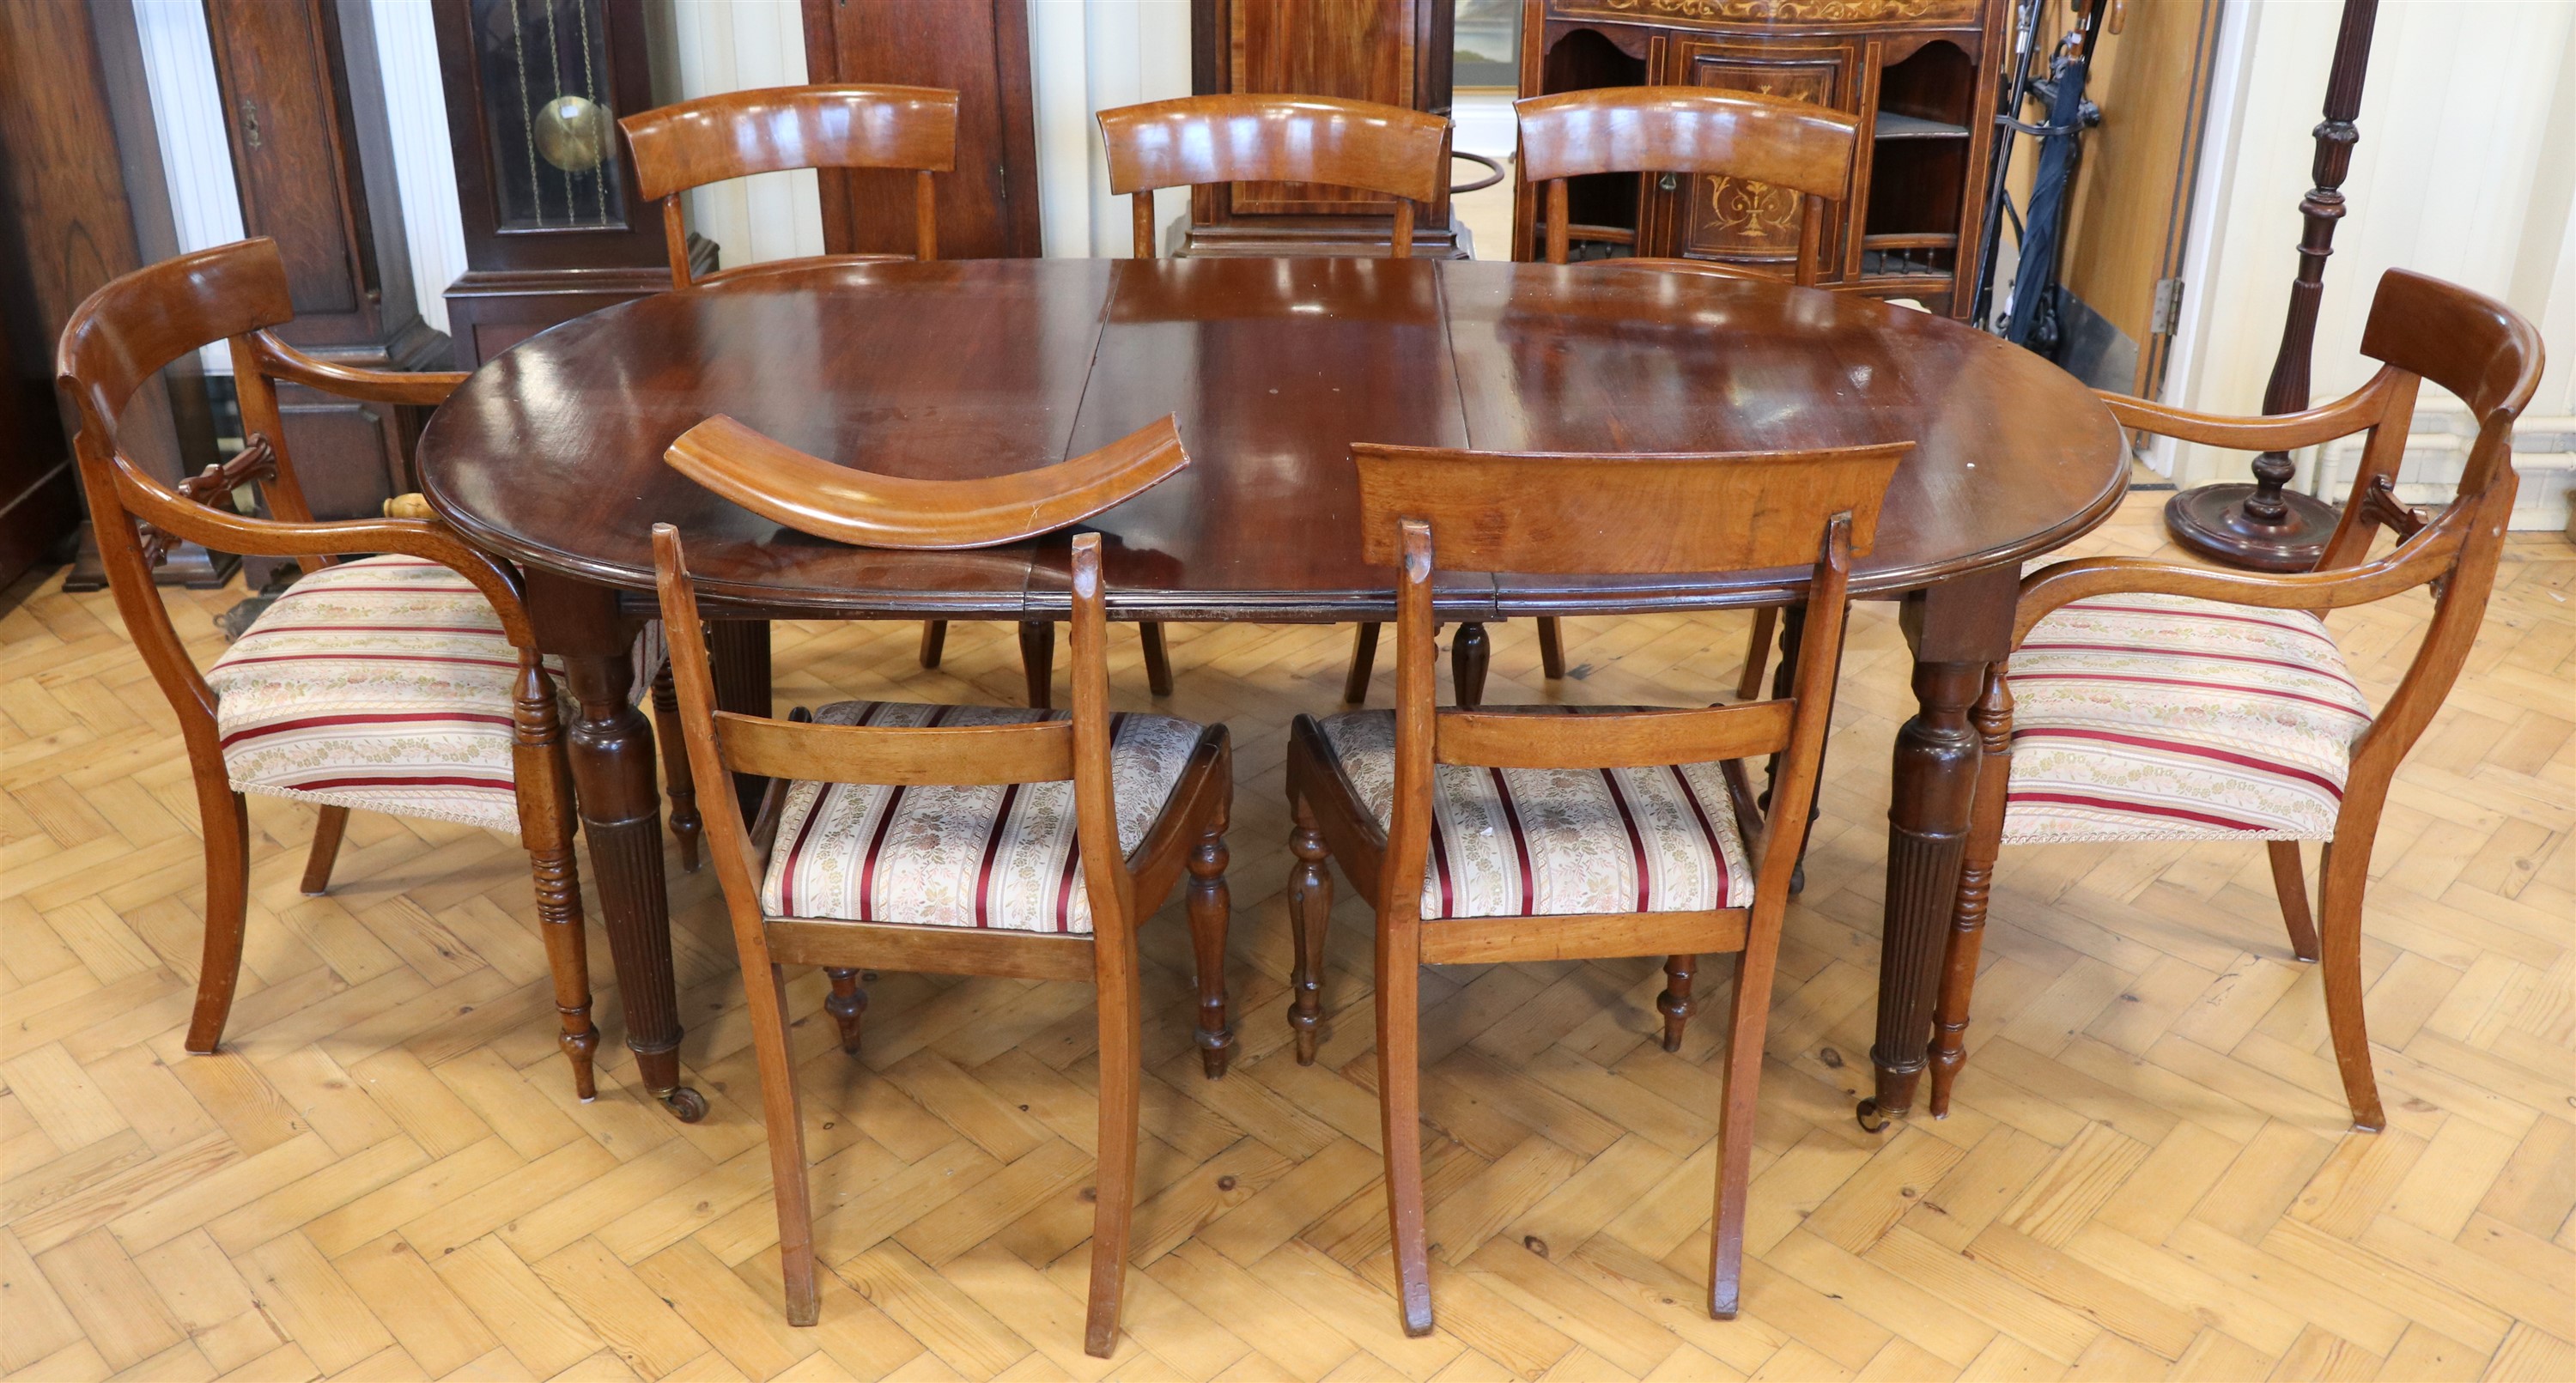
x,y
2156,717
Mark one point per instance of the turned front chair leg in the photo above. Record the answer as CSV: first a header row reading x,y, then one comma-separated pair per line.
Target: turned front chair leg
x,y
1469,657
2290,885
848,1005
1675,1002
334,821
678,788
1210,906
1992,721
1310,913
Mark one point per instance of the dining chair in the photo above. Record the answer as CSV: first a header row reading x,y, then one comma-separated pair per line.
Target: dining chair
x,y
737,134
1682,130
1020,843
1191,141
2148,700
405,682
1551,832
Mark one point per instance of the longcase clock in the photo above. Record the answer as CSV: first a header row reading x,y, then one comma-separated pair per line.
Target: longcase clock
x,y
545,185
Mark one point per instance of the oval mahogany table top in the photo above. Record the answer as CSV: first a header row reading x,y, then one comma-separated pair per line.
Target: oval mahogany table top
x,y
552,453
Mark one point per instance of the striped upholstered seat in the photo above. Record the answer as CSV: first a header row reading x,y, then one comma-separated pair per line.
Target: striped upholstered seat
x,y
1000,856
1541,842
2161,717
382,684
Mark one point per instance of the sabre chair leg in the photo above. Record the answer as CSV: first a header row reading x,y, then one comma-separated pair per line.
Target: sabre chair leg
x,y
1751,1014
678,788
1363,662
1399,1083
2290,885
934,641
1114,1192
1675,1002
1310,916
2346,873
326,848
848,1005
1209,908
775,1057
1551,648
1158,658
1757,652
226,825
1037,659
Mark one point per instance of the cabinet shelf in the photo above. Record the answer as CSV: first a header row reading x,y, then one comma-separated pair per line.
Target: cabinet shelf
x,y
1898,125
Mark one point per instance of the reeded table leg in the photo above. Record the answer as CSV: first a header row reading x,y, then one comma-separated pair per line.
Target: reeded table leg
x,y
1955,630
611,747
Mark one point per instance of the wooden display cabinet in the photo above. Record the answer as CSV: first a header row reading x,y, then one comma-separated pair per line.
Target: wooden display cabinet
x,y
1918,73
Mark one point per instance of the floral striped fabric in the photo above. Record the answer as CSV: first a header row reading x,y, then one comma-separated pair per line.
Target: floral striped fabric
x,y
382,684
1529,842
2162,717
998,856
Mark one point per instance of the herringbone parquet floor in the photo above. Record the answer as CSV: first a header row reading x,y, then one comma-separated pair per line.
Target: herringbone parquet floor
x,y
385,1176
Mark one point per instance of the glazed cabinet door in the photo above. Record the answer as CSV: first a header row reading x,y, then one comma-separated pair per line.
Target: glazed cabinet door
x,y
1715,217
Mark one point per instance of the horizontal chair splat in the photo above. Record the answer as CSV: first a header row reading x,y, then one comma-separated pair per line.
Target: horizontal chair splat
x,y
1627,739
1591,936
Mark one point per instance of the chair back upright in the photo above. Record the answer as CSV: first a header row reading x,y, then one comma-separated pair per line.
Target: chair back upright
x,y
1192,141
1806,148
1565,514
776,129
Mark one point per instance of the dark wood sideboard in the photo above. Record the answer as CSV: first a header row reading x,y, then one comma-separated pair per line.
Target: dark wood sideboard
x,y
1919,74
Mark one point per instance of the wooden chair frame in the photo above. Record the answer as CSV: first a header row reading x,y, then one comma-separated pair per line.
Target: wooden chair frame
x,y
1540,513
1189,835
1192,141
1660,129
114,344
737,134
2419,328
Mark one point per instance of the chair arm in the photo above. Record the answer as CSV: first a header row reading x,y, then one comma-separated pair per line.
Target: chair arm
x,y
226,531
2345,416
426,388
2045,591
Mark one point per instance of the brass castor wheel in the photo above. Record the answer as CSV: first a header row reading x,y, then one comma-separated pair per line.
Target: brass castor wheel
x,y
1871,1121
688,1105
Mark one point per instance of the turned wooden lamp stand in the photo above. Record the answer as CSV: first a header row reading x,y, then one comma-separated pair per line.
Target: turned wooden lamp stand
x,y
2262,525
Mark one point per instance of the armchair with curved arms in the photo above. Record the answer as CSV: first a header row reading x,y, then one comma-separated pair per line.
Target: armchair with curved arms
x,y
405,681
2165,702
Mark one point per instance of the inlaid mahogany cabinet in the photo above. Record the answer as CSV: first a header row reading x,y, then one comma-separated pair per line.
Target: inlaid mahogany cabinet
x,y
1914,72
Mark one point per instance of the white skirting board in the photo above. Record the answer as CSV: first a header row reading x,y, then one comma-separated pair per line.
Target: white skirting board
x,y
2437,449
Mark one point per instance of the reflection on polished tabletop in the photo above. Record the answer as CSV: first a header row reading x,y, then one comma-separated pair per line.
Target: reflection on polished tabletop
x,y
552,454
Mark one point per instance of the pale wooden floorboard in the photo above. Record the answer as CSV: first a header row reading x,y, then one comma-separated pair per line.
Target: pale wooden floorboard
x,y
2146,1175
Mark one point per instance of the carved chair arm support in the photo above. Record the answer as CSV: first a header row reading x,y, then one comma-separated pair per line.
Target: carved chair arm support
x,y
2352,413
226,531
425,388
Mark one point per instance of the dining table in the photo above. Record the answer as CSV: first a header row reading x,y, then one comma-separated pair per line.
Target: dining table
x,y
551,455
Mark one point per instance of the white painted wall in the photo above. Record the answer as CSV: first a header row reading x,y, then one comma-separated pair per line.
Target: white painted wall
x,y
2464,169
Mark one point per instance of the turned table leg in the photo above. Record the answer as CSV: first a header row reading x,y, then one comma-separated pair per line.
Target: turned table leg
x,y
611,748
1955,629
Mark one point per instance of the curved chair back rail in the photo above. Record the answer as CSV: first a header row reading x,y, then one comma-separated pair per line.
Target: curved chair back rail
x,y
1806,148
738,134
2419,328
863,508
1192,141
